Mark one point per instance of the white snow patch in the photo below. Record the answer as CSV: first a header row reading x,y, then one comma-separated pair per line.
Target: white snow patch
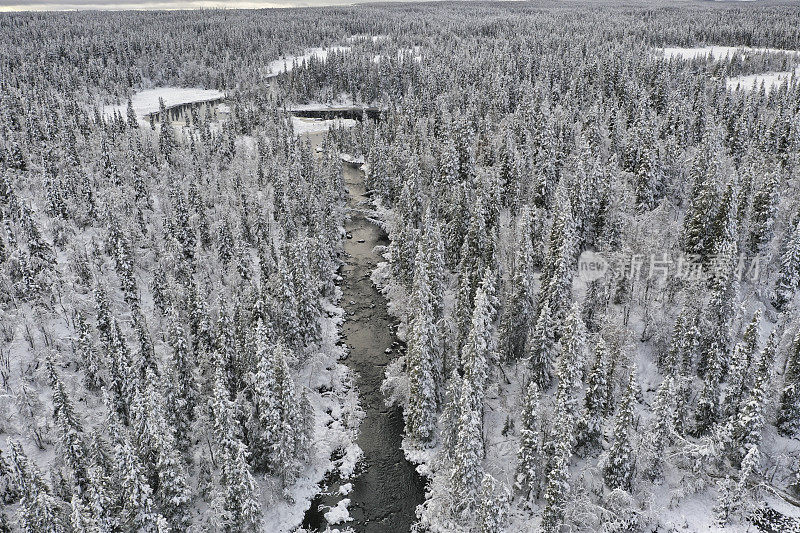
x,y
346,489
303,126
339,514
286,63
147,101
719,52
754,81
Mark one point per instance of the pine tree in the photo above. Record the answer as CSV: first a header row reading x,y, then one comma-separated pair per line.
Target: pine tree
x,y
238,491
661,429
87,355
421,412
732,495
138,508
287,448
590,428
531,453
71,444
542,348
518,313
263,424
158,448
133,122
493,512
557,491
788,421
708,404
39,511
750,419
740,373
789,276
468,450
618,468
764,209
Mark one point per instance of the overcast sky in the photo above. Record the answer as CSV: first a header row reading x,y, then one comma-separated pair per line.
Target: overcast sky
x,y
45,5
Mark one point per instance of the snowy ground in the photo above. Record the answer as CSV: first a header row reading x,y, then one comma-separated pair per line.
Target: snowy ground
x,y
754,81
286,63
719,52
304,126
147,101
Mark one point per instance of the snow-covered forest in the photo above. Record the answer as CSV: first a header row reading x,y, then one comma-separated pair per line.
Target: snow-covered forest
x,y
586,219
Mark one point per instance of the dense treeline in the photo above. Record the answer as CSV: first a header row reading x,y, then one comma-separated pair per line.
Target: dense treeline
x,y
164,287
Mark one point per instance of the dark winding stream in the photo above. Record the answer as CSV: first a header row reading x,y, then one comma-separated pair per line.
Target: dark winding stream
x,y
387,488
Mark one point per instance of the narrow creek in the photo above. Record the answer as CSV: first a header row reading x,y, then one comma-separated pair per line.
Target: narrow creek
x,y
387,489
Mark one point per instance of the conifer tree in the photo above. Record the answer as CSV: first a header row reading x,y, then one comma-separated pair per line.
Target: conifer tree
x,y
421,413
542,347
158,448
87,355
788,421
618,468
661,429
557,490
468,451
39,511
764,209
493,511
531,453
789,276
71,444
590,427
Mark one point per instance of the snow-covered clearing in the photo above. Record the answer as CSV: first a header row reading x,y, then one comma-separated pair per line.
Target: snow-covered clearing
x,y
719,52
148,101
286,63
304,126
754,81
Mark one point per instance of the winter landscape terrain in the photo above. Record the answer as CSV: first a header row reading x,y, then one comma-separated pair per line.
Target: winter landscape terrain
x,y
429,267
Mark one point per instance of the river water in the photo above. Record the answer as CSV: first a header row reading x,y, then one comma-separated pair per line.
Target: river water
x,y
387,488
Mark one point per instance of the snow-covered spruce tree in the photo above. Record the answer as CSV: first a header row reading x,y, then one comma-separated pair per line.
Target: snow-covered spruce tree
x,y
290,439
559,268
421,411
306,291
571,362
530,456
750,420
541,347
238,491
789,276
479,350
763,211
740,375
468,451
448,421
493,511
557,488
158,448
661,429
619,465
518,311
87,355
589,434
71,446
123,376
709,410
788,421
703,197
733,497
39,510
263,423
138,509
183,386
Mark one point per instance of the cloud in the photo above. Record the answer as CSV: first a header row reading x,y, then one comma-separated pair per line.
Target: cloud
x,y
68,5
